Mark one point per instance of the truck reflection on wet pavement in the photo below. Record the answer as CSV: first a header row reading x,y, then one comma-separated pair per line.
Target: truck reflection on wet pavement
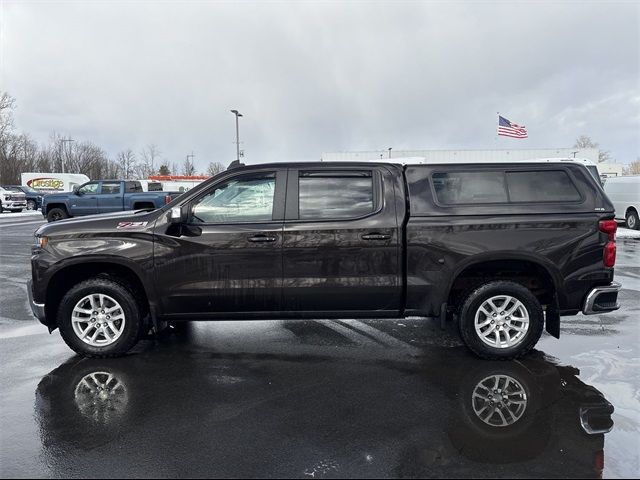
x,y
178,411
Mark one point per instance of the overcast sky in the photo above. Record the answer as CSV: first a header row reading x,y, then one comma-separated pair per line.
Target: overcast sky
x,y
316,77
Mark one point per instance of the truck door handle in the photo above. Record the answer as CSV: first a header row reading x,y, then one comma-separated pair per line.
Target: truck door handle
x,y
376,236
262,238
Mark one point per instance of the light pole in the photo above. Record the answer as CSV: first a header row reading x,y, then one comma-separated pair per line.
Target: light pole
x,y
63,141
389,151
237,114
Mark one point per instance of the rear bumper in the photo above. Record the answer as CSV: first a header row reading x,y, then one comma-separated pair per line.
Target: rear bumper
x,y
36,308
596,419
602,299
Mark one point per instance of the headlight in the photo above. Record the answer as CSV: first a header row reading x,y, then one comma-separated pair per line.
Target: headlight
x,y
41,241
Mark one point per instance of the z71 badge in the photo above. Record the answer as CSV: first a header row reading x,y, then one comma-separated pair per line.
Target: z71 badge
x,y
132,224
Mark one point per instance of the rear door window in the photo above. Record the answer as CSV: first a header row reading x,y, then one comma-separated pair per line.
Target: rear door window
x,y
131,187
542,186
110,188
455,188
337,195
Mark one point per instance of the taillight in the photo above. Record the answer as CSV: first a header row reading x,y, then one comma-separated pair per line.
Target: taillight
x,y
167,199
609,227
609,255
598,463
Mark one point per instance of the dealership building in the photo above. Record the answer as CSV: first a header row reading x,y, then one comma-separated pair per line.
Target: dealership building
x,y
609,169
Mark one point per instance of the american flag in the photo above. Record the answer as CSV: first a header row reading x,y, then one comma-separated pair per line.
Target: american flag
x,y
508,129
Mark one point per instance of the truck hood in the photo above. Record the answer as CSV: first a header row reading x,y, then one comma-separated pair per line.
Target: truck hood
x,y
131,220
57,195
13,195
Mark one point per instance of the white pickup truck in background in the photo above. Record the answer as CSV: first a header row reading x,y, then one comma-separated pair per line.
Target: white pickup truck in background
x,y
12,201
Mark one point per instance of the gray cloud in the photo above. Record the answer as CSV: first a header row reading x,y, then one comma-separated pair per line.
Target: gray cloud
x,y
314,77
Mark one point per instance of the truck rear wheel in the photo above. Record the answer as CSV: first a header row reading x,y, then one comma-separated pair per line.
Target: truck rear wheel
x,y
501,320
631,219
99,318
56,214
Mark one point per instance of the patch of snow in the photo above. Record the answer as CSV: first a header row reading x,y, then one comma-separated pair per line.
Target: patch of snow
x,y
627,233
24,213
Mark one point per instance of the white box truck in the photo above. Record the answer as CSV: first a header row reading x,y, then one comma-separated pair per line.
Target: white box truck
x,y
53,182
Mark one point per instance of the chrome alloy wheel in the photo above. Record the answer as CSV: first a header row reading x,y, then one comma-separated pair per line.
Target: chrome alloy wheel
x,y
502,321
98,320
499,400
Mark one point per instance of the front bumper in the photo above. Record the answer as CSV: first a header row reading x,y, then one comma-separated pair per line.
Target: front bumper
x,y
602,299
36,308
10,205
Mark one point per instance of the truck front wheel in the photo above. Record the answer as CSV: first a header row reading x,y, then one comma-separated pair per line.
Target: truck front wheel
x,y
99,318
501,320
56,214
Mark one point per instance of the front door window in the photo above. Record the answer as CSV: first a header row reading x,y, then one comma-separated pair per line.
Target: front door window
x,y
246,199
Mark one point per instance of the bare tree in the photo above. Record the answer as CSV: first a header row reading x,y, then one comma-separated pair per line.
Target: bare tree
x,y
633,168
149,157
126,160
19,154
584,141
7,106
214,168
188,168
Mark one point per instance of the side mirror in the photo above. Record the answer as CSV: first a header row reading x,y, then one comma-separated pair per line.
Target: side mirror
x,y
178,214
76,190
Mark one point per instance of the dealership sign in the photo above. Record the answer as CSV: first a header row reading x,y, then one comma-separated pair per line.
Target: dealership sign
x,y
46,184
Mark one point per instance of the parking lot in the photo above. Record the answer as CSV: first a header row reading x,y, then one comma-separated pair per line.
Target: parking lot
x,y
321,399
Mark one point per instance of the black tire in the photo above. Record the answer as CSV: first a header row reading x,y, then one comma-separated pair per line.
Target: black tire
x,y
56,214
631,219
131,309
31,205
472,303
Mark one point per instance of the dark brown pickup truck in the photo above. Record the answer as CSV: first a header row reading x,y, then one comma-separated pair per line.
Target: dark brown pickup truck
x,y
502,249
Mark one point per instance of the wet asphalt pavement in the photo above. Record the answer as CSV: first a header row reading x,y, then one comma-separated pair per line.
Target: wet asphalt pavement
x,y
321,399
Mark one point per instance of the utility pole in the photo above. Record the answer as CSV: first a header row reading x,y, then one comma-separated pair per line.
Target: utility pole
x,y
237,114
64,151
